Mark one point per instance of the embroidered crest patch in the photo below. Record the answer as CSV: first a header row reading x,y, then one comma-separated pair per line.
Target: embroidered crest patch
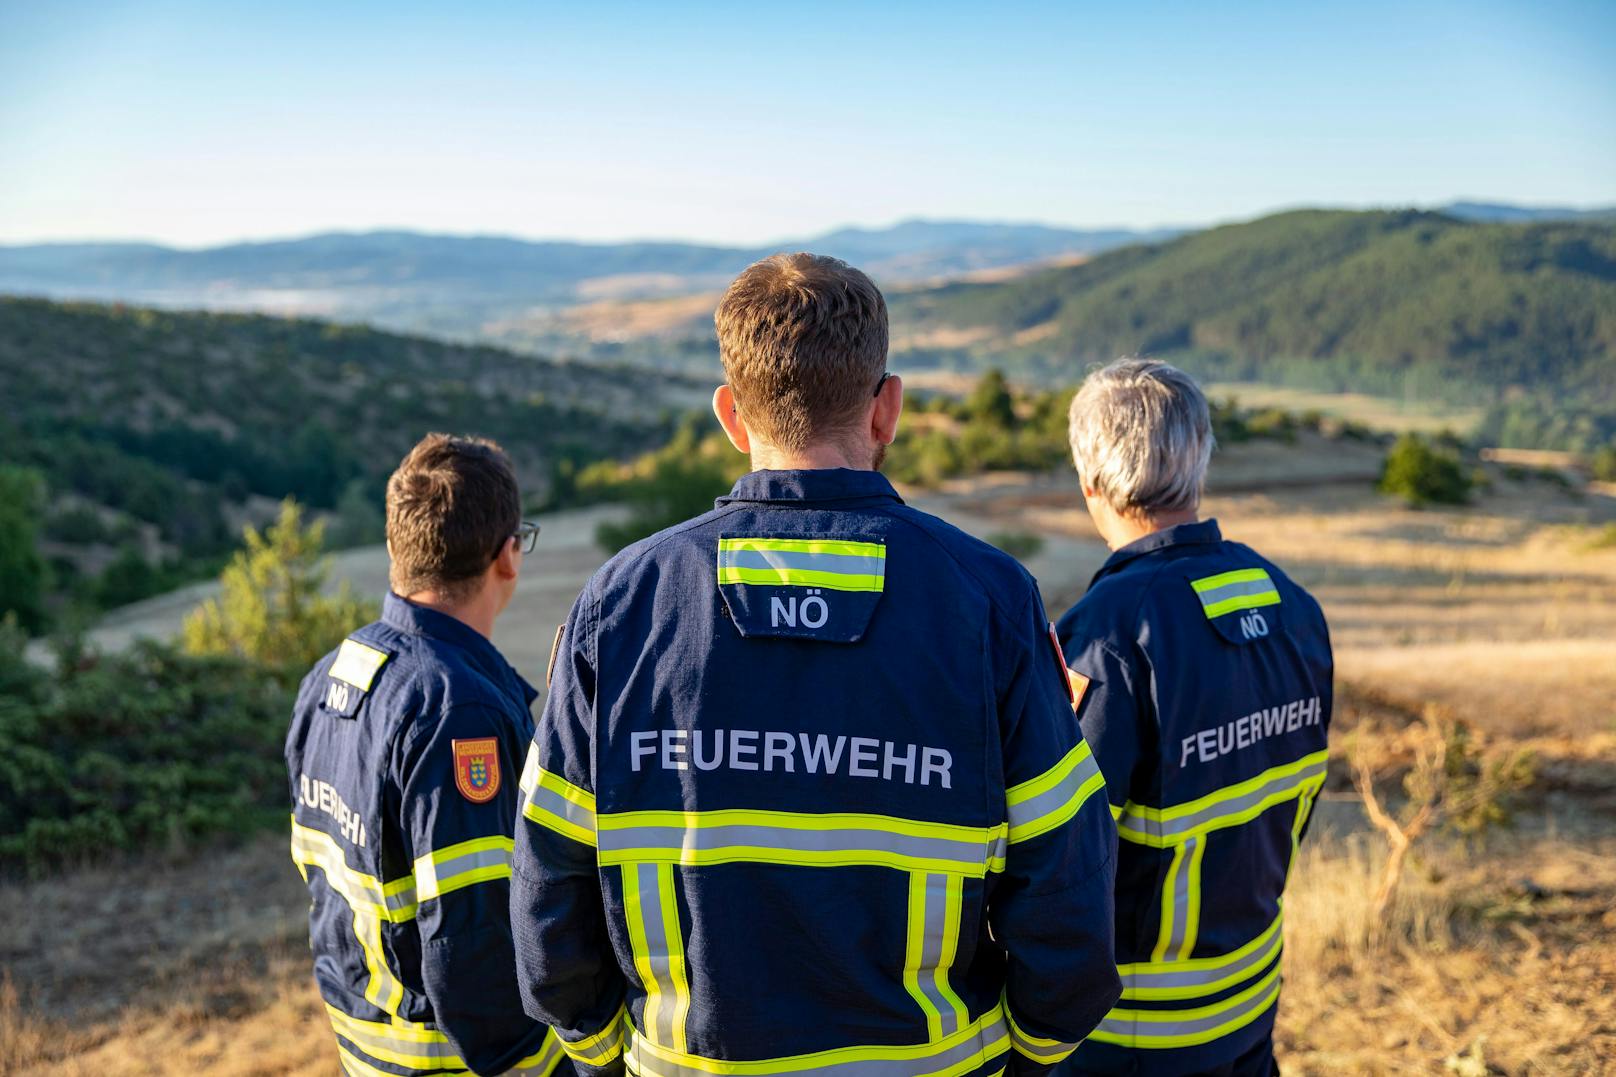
x,y
476,768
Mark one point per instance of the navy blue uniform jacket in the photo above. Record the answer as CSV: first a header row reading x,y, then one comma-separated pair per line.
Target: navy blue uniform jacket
x,y
402,754
808,793
1206,682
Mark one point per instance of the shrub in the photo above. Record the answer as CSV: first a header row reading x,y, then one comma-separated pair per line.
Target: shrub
x,y
23,573
271,607
146,748
1423,474
1604,464
1018,544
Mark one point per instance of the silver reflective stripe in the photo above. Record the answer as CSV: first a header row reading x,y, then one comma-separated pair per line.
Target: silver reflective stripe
x,y
1243,589
553,803
1205,975
1183,879
430,876
842,564
1056,797
931,977
1155,1028
1281,785
542,1063
852,842
656,948
971,1050
1046,1051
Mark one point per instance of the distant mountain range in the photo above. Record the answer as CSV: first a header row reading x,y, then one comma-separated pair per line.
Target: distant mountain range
x,y
461,285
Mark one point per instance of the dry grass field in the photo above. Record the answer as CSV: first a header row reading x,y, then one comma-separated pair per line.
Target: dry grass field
x,y
1498,955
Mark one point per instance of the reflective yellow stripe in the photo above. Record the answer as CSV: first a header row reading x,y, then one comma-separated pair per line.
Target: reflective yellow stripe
x,y
801,577
807,839
464,864
1169,907
542,1062
604,1046
915,955
953,910
369,900
1038,1048
793,545
555,803
971,1047
1040,805
1201,976
1192,922
357,664
1242,589
414,1046
1162,1029
658,948
1230,806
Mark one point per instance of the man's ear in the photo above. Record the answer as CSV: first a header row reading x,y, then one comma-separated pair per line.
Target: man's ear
x,y
888,408
729,417
506,564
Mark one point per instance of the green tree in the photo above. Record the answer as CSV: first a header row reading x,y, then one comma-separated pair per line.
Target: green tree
x,y
23,573
990,402
1421,473
1604,464
271,607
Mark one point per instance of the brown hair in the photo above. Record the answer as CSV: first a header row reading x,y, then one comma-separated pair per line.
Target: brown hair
x,y
803,338
451,506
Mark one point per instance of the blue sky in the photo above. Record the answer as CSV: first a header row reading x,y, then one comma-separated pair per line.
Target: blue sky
x,y
198,123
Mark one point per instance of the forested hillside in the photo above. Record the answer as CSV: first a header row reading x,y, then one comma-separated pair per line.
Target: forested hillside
x,y
1401,303
143,439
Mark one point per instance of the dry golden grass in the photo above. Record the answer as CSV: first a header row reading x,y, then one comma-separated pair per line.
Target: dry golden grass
x,y
1500,956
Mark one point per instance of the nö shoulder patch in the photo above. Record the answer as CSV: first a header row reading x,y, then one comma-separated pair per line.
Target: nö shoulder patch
x,y
1243,605
822,587
350,677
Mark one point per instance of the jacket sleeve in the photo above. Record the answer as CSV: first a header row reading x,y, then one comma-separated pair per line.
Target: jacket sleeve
x,y
456,816
1109,712
564,960
1053,907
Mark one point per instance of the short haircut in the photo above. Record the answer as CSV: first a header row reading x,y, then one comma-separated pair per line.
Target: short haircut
x,y
451,506
803,338
1141,436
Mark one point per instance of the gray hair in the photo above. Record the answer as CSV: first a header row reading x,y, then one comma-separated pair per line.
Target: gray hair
x,y
1141,436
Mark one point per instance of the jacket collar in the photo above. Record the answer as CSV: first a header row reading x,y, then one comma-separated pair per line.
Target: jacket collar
x,y
1201,533
828,484
417,620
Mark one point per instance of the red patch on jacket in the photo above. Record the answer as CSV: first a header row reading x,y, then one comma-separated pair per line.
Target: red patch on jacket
x,y
476,768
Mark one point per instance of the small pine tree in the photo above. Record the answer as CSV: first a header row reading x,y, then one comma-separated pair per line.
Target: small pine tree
x,y
271,607
1423,474
990,403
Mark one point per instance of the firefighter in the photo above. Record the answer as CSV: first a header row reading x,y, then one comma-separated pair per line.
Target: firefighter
x,y
1205,681
402,753
807,792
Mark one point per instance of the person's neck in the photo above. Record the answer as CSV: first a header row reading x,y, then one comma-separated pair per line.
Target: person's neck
x,y
476,612
811,458
1120,530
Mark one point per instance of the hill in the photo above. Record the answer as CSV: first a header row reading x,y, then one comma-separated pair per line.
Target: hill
x,y
156,434
1396,302
461,286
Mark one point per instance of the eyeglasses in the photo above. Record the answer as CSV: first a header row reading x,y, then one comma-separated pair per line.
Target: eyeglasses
x,y
880,383
527,535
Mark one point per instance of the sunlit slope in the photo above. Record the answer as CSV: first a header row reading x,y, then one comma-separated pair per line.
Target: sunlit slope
x,y
1357,297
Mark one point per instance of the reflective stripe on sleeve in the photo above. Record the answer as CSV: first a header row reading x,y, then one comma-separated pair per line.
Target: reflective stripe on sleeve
x,y
1242,589
542,1062
603,1047
556,804
832,839
1049,800
780,562
1231,806
1044,1051
973,1046
463,864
